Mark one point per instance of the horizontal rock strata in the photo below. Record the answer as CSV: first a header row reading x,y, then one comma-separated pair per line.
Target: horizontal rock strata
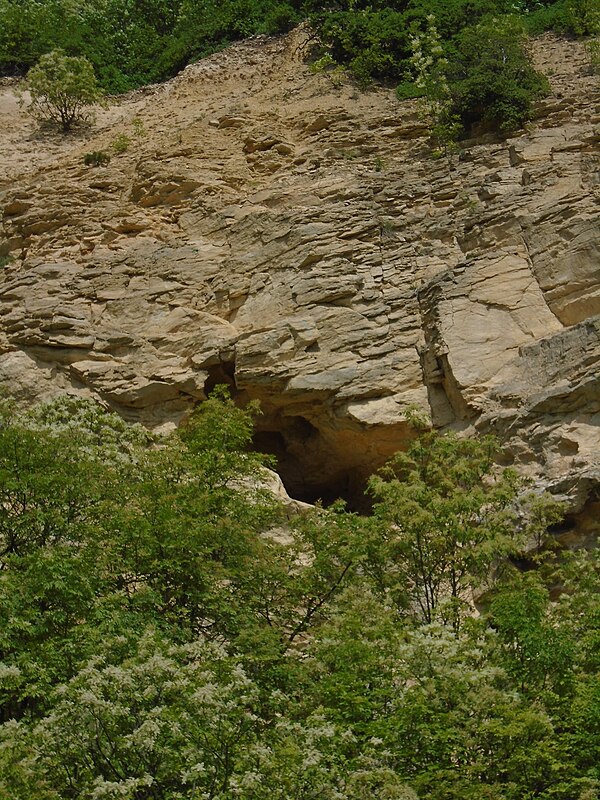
x,y
288,235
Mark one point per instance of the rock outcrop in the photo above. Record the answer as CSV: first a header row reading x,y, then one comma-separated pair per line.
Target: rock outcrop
x,y
282,232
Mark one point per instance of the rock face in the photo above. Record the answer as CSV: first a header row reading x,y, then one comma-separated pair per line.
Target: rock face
x,y
283,233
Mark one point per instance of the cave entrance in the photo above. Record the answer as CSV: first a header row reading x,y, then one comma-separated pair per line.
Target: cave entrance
x,y
314,465
308,464
222,373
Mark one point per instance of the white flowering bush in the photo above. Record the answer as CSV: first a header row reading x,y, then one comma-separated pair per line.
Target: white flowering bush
x,y
429,68
100,434
170,721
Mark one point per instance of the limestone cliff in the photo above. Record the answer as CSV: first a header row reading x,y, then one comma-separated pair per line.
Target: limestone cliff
x,y
286,234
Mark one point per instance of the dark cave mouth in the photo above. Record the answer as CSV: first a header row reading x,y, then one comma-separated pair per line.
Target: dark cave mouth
x,y
222,374
313,467
310,472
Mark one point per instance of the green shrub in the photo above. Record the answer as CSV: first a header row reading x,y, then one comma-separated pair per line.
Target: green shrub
x,y
408,90
430,68
571,17
281,19
593,51
96,158
134,42
583,17
121,143
28,30
451,16
492,82
322,64
62,89
547,18
373,45
138,127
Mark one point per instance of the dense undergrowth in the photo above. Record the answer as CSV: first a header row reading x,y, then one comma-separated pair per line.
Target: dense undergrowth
x,y
155,642
135,42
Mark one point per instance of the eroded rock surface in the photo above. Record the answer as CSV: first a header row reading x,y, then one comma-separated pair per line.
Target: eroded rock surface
x,y
286,234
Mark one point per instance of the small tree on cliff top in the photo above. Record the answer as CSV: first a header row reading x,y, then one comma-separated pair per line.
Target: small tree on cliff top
x,y
62,89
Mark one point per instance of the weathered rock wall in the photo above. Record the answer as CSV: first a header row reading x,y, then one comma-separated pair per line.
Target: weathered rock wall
x,y
281,232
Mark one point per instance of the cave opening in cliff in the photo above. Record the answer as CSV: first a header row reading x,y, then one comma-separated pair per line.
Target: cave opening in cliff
x,y
220,374
309,466
309,470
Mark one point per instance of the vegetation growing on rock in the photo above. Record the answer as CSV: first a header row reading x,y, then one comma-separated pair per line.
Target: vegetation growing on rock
x,y
161,638
62,89
134,42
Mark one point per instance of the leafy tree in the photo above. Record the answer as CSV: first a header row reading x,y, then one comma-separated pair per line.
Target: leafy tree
x,y
58,489
49,490
133,42
170,719
166,633
492,82
578,608
281,19
537,653
445,517
456,724
354,659
62,89
27,31
430,704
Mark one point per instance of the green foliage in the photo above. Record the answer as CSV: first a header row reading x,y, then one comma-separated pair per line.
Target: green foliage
x,y
583,17
441,711
96,158
102,435
323,63
408,90
176,718
539,655
135,42
446,520
467,60
138,127
492,81
430,68
593,51
62,89
281,19
121,143
167,632
373,45
481,79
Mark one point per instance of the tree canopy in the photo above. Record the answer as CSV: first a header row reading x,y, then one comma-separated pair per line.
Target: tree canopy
x,y
62,89
166,631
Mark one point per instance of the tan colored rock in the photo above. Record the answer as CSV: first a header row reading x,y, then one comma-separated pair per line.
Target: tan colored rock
x,y
296,240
